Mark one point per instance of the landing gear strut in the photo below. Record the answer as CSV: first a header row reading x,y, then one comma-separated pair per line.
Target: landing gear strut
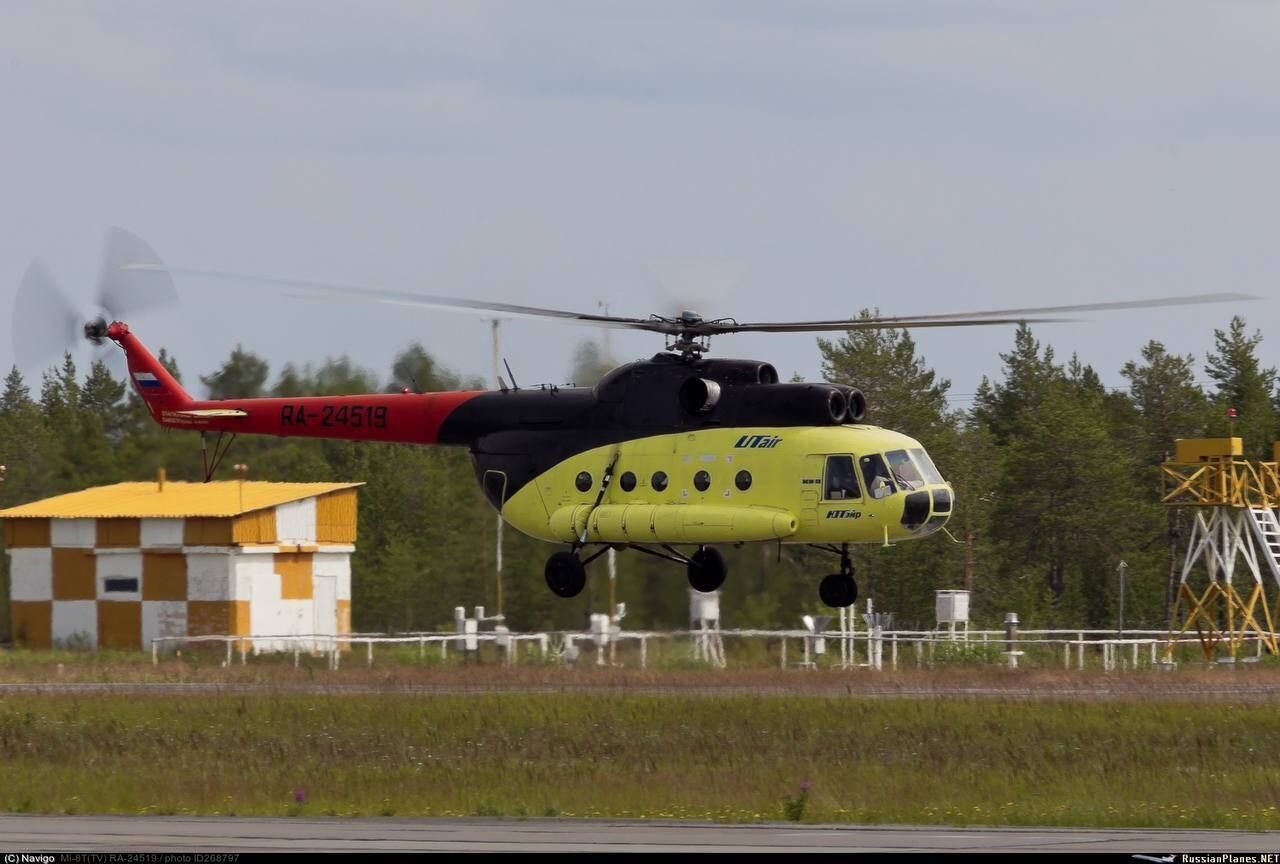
x,y
839,590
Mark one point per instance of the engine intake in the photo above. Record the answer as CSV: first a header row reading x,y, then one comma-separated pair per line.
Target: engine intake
x,y
698,395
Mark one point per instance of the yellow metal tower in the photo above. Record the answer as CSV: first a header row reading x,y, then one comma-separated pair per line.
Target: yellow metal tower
x,y
1235,504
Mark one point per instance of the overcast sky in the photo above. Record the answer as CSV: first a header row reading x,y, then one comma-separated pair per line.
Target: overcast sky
x,y
762,160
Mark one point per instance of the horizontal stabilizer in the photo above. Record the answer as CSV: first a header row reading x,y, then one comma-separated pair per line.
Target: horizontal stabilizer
x,y
210,412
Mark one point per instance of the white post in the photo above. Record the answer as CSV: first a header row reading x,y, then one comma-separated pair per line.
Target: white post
x,y
1080,651
644,652
783,663
893,651
155,656
370,661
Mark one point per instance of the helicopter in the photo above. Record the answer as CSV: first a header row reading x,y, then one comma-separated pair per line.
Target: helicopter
x,y
677,450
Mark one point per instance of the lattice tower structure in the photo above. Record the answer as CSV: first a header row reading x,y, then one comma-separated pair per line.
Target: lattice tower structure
x,y
1233,552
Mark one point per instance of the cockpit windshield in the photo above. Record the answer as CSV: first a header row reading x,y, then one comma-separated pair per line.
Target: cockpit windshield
x,y
926,466
904,470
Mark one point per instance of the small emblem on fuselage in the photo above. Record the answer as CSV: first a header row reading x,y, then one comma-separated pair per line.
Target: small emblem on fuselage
x,y
758,442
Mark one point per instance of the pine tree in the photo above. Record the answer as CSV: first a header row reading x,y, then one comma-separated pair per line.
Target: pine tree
x,y
242,376
1243,384
902,392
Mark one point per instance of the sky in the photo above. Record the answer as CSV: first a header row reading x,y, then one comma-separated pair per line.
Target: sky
x,y
761,160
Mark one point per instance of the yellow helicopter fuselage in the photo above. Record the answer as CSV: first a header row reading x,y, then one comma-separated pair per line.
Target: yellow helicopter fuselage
x,y
791,484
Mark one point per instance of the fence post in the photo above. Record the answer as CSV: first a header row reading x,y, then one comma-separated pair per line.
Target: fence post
x,y
783,662
155,656
893,652
1080,652
1011,638
230,642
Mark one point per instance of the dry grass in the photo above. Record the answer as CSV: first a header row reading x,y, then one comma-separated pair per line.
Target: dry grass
x,y
730,757
405,671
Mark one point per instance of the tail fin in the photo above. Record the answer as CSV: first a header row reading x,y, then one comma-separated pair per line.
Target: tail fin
x,y
158,389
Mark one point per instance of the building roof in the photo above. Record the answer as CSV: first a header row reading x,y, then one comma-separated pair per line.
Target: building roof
x,y
177,500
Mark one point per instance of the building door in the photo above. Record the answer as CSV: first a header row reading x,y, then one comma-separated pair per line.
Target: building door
x,y
325,601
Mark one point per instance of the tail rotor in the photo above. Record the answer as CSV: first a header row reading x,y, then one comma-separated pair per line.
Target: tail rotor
x,y
47,323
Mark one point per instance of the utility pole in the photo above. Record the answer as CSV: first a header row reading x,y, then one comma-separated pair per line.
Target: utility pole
x,y
497,383
1121,568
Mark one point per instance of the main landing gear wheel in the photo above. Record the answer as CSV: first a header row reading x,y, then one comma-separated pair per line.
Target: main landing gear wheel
x,y
838,590
566,574
707,569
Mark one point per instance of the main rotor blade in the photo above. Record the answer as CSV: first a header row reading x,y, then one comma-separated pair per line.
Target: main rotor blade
x,y
314,289
991,316
697,327
132,278
45,323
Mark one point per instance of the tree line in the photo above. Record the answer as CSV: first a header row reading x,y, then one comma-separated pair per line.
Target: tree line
x,y
1056,477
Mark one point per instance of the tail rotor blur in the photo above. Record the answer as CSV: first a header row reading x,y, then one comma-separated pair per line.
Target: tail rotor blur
x,y
47,323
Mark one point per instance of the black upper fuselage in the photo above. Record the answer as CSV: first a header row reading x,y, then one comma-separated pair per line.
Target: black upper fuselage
x,y
524,432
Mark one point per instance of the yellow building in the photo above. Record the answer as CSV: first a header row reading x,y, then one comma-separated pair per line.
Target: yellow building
x,y
117,566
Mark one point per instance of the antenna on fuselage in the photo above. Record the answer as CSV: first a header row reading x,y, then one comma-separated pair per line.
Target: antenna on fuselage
x,y
510,374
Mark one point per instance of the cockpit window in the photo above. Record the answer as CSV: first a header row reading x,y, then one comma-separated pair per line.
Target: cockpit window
x,y
927,468
904,471
841,479
875,474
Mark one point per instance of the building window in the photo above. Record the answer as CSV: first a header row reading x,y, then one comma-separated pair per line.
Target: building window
x,y
120,585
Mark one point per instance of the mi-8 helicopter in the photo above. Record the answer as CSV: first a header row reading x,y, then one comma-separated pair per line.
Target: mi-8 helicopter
x,y
677,450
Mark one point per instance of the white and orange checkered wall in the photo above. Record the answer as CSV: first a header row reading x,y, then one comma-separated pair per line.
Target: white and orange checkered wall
x,y
121,582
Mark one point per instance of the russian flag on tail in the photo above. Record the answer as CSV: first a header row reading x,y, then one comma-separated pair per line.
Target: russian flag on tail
x,y
145,380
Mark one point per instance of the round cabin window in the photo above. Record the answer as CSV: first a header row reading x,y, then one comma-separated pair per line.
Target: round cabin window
x,y
627,481
743,481
702,481
583,482
659,481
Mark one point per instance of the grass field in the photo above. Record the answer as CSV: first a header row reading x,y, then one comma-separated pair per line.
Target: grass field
x,y
1135,762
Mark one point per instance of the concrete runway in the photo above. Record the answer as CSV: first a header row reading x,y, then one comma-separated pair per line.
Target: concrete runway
x,y
19,833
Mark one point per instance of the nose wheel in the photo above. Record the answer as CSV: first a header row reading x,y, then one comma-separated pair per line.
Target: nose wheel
x,y
839,590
